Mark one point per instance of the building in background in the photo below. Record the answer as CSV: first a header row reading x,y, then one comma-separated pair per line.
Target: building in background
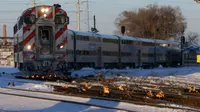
x,y
6,54
190,55
6,49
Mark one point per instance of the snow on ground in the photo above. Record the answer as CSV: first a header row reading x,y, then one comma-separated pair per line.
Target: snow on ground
x,y
185,71
22,104
8,69
47,106
185,74
25,84
189,75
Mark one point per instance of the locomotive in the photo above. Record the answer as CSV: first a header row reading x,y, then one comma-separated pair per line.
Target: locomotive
x,y
43,43
40,37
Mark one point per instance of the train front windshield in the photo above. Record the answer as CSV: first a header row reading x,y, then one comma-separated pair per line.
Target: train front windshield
x,y
61,19
45,38
30,19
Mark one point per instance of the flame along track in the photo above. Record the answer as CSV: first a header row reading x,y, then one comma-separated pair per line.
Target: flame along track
x,y
89,104
141,90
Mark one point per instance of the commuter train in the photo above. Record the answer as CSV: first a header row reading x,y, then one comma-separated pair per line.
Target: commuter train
x,y
40,39
43,43
88,49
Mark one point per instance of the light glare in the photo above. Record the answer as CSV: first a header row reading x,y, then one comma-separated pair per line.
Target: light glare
x,y
28,47
42,9
46,10
45,15
61,46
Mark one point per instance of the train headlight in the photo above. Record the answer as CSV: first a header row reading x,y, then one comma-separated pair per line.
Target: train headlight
x,y
29,47
45,10
61,46
45,15
42,10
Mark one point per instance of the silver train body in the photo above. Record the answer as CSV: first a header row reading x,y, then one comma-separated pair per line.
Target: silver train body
x,y
87,49
43,43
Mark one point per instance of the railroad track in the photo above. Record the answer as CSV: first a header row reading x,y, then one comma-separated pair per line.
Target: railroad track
x,y
140,102
94,98
59,100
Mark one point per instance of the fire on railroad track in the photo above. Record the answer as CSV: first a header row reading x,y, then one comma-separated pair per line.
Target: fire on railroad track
x,y
135,89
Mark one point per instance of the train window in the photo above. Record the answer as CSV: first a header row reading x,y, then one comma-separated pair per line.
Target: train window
x,y
94,39
45,34
126,54
20,22
127,42
29,19
147,44
136,42
82,38
148,54
110,41
109,53
45,49
15,29
67,20
60,19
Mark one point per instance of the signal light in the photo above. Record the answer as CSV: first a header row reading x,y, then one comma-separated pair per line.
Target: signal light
x,y
123,29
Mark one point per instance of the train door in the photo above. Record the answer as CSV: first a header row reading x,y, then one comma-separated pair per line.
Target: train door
x,y
139,58
45,41
168,58
99,56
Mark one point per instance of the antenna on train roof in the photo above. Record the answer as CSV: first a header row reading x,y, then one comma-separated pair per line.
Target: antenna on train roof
x,y
57,5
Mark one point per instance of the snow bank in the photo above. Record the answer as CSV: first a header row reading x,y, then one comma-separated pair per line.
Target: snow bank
x,y
8,69
160,72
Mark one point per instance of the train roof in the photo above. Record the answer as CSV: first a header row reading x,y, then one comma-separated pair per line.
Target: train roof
x,y
94,34
33,8
124,37
193,47
128,38
166,42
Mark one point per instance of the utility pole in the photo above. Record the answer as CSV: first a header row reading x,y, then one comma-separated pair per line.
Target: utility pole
x,y
34,3
78,19
182,48
88,15
78,11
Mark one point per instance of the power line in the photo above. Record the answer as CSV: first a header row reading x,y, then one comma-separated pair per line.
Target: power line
x,y
78,11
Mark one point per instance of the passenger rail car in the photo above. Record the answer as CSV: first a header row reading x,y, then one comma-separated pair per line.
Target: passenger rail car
x,y
43,43
87,49
41,39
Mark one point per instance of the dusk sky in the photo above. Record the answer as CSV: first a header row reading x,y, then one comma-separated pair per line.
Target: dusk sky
x,y
106,12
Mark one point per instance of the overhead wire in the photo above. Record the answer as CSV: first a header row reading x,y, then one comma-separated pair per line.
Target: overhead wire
x,y
124,4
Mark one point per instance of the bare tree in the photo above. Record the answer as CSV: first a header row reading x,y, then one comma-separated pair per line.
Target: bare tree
x,y
162,22
192,38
